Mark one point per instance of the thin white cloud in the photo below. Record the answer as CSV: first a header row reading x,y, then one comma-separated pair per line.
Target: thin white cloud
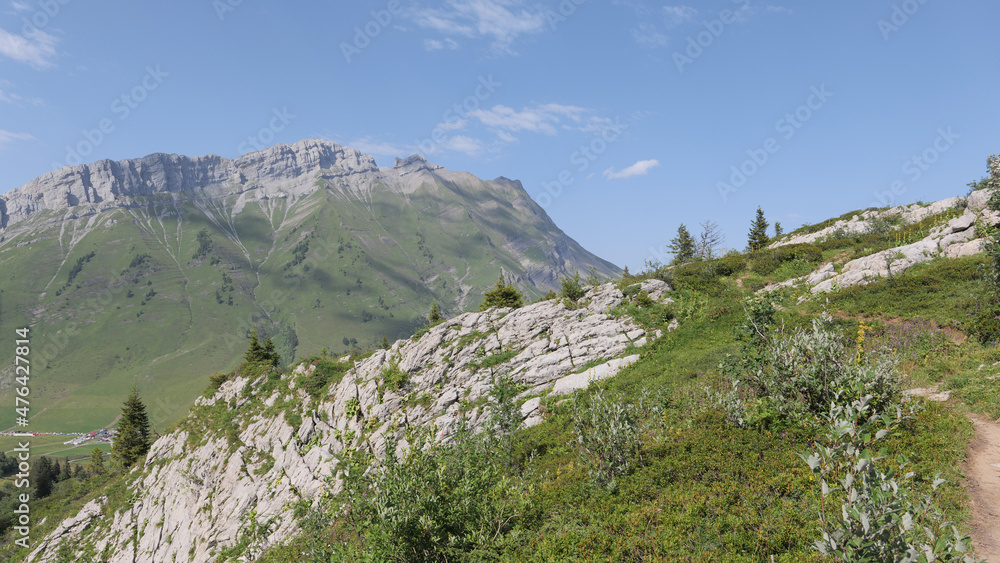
x,y
14,99
640,168
7,137
20,7
452,125
435,45
647,35
463,144
37,51
501,21
539,119
779,10
369,146
677,15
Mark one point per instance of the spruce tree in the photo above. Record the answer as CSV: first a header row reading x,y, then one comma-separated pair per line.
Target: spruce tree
x,y
435,315
385,343
683,246
257,352
96,464
778,230
43,477
758,239
132,441
502,295
254,351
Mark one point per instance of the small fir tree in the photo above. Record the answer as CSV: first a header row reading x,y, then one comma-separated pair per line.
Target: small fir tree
x,y
385,342
257,352
43,477
682,245
778,230
435,315
96,464
758,238
132,441
502,295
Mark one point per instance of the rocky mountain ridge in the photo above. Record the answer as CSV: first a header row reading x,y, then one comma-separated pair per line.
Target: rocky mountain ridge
x,y
107,184
311,243
280,444
957,237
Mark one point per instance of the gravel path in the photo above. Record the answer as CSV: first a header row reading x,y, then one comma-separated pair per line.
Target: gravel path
x,y
983,477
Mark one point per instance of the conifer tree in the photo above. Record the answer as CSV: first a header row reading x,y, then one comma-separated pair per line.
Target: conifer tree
x,y
502,295
385,343
435,315
43,477
778,230
758,238
683,246
256,352
96,464
132,441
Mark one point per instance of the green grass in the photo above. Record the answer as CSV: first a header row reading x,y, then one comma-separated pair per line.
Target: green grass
x,y
365,275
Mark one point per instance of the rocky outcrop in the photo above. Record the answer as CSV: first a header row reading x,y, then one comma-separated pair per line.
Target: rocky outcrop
x,y
861,223
278,447
107,184
956,238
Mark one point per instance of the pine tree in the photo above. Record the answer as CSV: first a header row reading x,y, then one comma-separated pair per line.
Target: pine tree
x,y
502,295
261,353
758,239
385,343
682,245
132,441
43,477
254,351
435,315
778,231
96,464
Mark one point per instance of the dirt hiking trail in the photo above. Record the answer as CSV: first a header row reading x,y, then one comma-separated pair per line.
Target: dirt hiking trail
x,y
983,482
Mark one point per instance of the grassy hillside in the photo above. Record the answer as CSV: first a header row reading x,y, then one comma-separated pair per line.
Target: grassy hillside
x,y
698,487
165,292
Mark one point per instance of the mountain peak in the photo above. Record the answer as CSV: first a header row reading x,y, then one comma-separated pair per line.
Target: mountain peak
x,y
109,183
414,163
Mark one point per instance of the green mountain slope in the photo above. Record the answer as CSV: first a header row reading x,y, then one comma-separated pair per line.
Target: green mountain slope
x,y
161,285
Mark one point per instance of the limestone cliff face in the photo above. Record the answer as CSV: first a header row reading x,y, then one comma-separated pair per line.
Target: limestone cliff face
x,y
116,184
960,232
267,446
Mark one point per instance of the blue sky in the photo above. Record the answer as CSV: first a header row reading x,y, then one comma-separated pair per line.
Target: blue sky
x,y
623,118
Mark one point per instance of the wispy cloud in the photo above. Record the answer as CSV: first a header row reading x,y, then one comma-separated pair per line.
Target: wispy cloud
x,y
37,51
14,99
647,34
20,7
500,21
7,137
640,168
677,15
538,119
435,45
370,146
